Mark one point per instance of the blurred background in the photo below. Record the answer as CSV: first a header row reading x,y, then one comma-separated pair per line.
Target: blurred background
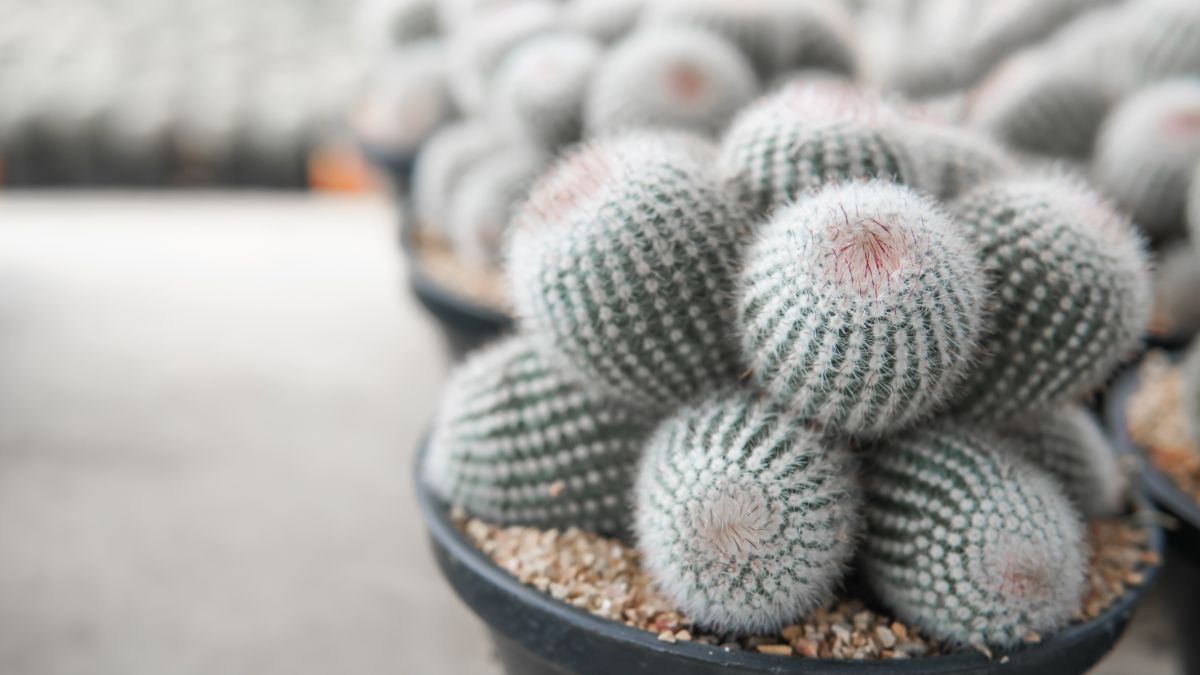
x,y
213,373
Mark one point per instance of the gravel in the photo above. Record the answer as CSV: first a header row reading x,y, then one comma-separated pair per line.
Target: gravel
x,y
1157,423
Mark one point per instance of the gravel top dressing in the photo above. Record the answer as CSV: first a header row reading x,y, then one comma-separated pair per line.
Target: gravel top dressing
x,y
1157,423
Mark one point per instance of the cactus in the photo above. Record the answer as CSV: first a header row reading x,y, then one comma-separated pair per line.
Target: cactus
x,y
603,20
967,541
774,35
622,260
949,160
670,77
516,442
483,200
805,136
406,100
485,38
745,519
441,164
1035,103
1146,152
1070,294
384,24
1193,209
540,88
1176,279
1159,40
1068,443
859,307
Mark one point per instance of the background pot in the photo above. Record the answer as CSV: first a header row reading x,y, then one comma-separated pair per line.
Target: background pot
x,y
537,635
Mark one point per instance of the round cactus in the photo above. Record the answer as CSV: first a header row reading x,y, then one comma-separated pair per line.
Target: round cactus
x,y
405,101
1159,39
948,160
539,90
805,136
1069,444
1176,278
384,24
745,519
859,307
622,261
773,34
670,77
515,442
604,20
483,201
967,541
1070,293
1146,152
1193,208
441,164
1035,104
485,38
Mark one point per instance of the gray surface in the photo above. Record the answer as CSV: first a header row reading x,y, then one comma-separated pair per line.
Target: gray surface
x,y
207,411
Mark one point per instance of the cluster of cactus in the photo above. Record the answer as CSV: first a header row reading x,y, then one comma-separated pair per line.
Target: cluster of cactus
x,y
543,75
851,337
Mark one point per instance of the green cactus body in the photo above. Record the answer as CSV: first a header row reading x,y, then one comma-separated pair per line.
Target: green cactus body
x,y
1033,103
1176,278
669,77
806,136
774,35
540,88
622,261
515,442
1069,444
1070,294
745,519
603,20
441,164
859,307
1160,39
967,541
484,199
1146,152
949,160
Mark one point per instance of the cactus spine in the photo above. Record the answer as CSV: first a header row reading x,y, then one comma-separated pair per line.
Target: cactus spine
x,y
539,90
967,541
670,77
949,160
859,307
1070,294
1146,152
622,261
517,442
746,519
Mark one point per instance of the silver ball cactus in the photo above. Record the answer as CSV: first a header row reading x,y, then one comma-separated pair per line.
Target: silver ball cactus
x,y
1068,443
622,262
948,159
1070,294
1034,103
603,20
670,77
1193,209
807,135
516,442
441,164
967,541
1158,40
405,100
485,37
745,519
1176,279
859,307
773,34
539,91
483,200
385,24
1146,152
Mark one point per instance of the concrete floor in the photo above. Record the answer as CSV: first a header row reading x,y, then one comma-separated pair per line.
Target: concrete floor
x,y
208,407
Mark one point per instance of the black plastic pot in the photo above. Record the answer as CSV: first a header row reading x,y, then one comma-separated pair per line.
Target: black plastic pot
x,y
537,635
396,168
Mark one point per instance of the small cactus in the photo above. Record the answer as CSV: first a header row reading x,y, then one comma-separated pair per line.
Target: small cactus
x,y
949,160
670,77
859,307
1146,152
1034,103
405,101
1193,208
603,20
385,24
774,35
515,442
484,199
1176,280
622,262
1159,40
1070,294
745,519
967,541
441,164
1069,444
485,38
805,136
539,90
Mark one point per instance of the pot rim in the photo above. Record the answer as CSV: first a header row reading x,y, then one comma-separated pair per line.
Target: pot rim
x,y
446,535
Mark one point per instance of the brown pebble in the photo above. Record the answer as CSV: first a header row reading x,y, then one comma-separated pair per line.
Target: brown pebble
x,y
777,650
683,635
1032,638
886,637
792,632
806,648
557,487
666,636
